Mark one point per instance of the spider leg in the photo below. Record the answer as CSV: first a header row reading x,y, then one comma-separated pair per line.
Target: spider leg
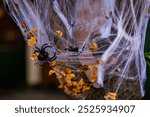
x,y
53,58
44,44
37,49
46,47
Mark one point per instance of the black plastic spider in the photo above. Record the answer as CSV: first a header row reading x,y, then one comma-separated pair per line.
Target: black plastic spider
x,y
43,56
74,50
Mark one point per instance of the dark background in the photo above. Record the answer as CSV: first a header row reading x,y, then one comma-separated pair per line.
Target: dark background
x,y
13,82
147,49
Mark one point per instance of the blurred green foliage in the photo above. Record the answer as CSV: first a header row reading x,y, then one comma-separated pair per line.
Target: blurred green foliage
x,y
147,56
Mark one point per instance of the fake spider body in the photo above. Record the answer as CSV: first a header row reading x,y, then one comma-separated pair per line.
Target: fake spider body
x,y
74,50
43,55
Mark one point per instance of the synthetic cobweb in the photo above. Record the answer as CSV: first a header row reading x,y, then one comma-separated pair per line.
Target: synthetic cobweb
x,y
108,35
